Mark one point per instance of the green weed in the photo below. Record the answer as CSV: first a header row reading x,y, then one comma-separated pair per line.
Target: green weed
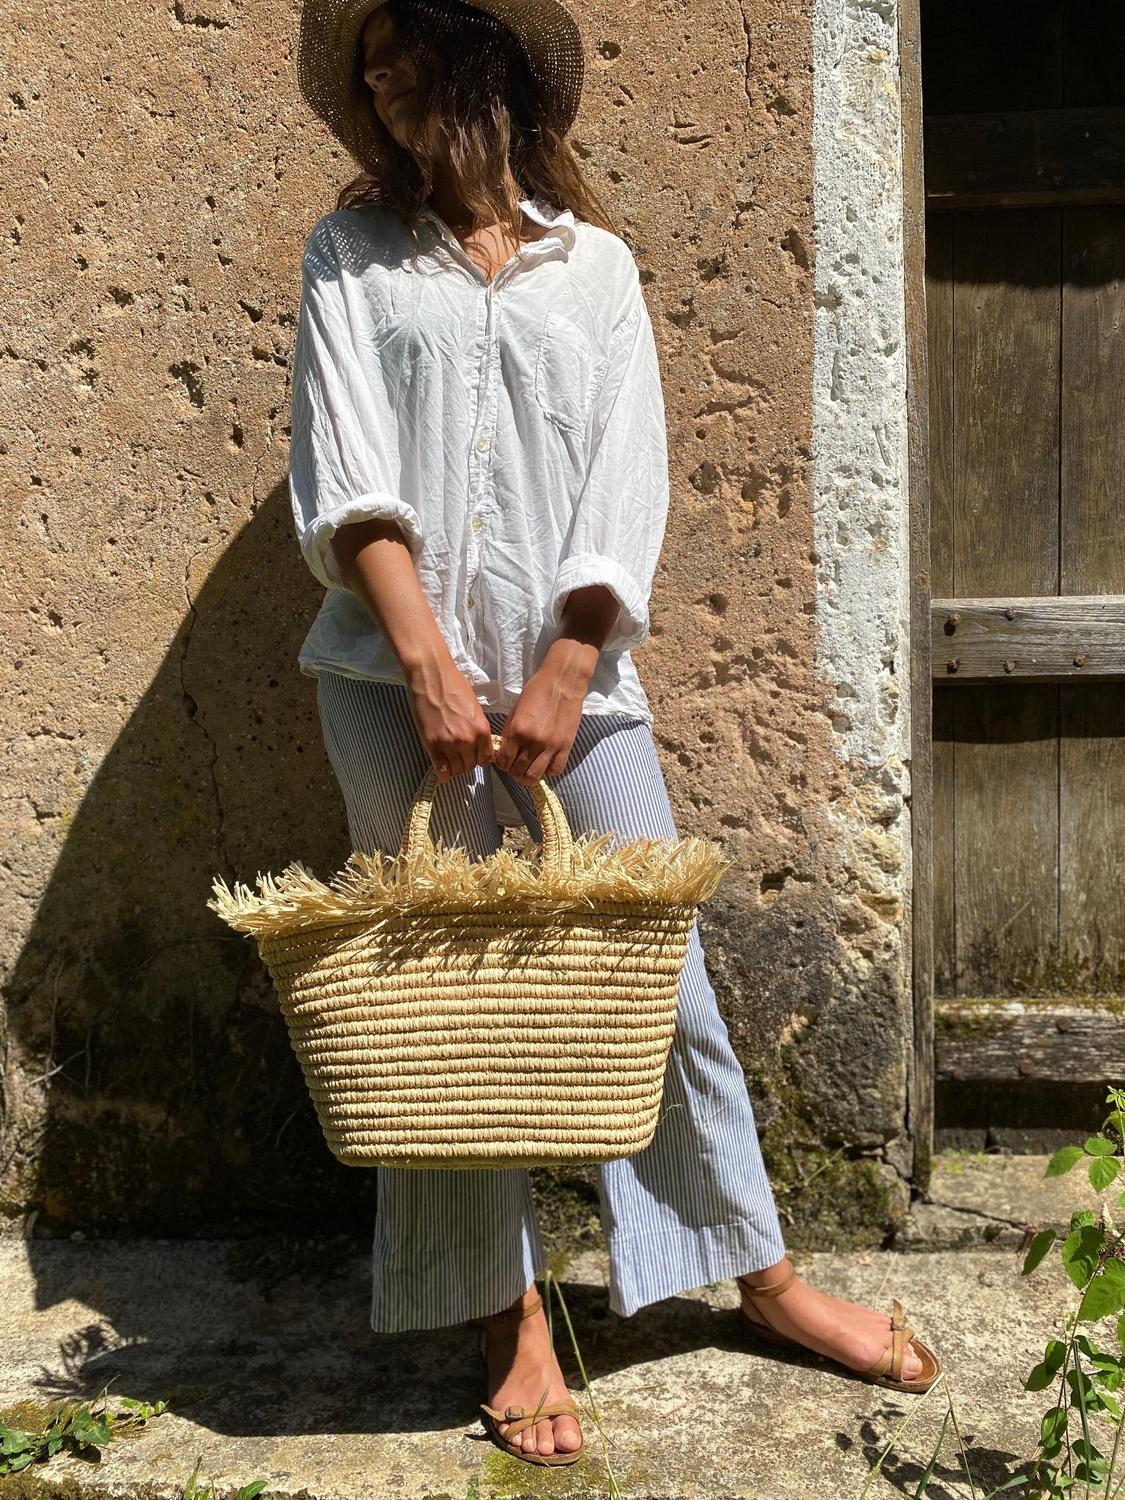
x,y
192,1490
1067,1461
550,1283
72,1425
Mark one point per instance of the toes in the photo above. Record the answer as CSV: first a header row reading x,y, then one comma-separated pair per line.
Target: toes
x,y
518,1440
568,1434
544,1436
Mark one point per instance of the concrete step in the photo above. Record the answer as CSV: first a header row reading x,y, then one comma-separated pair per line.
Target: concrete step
x,y
272,1371
978,1200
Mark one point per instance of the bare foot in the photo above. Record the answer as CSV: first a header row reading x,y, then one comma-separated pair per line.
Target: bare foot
x,y
521,1364
846,1331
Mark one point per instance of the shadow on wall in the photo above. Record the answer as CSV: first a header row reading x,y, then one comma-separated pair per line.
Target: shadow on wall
x,y
156,1091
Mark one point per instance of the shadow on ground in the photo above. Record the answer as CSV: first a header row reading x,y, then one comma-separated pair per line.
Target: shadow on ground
x,y
263,1350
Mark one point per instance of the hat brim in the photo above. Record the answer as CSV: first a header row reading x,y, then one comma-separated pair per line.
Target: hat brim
x,y
326,60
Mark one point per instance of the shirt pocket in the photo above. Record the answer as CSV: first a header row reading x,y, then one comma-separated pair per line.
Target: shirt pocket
x,y
568,371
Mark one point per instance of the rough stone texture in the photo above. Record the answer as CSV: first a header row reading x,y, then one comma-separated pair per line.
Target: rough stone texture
x,y
282,1380
162,174
976,1199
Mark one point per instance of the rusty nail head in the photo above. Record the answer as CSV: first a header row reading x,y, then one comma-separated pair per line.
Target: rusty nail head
x,y
1080,659
1065,1023
953,663
1027,1067
953,620
1009,665
1009,613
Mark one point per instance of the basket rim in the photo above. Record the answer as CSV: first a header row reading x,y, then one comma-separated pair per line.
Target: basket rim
x,y
651,873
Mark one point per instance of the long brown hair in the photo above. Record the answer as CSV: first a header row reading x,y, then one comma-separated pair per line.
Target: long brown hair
x,y
489,120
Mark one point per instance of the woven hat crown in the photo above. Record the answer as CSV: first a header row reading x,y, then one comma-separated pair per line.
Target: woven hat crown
x,y
326,61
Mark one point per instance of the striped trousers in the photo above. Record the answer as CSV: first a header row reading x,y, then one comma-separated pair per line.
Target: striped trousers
x,y
695,1206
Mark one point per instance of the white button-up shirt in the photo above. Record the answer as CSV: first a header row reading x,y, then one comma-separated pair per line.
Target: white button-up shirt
x,y
514,429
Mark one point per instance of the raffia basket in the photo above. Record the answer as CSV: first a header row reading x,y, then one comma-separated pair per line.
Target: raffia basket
x,y
497,1012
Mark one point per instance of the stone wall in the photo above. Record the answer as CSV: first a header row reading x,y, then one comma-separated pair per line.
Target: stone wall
x,y
163,173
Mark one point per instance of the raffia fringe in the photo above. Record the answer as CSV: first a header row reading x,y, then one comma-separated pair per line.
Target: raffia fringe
x,y
662,871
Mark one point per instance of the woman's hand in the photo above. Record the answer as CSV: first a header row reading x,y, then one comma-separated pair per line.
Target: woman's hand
x,y
450,720
538,733
540,730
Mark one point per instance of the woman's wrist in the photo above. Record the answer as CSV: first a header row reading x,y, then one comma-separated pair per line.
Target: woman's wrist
x,y
571,663
426,661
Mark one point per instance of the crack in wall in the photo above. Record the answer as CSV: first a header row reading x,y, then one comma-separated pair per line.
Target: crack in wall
x,y
749,50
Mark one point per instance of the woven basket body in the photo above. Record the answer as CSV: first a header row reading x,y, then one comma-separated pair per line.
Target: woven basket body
x,y
493,1013
461,1039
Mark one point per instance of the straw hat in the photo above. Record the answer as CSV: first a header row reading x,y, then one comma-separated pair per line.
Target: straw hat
x,y
330,79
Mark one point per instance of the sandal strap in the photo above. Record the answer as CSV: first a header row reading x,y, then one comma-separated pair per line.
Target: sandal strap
x,y
526,1312
516,1312
771,1289
519,1420
890,1361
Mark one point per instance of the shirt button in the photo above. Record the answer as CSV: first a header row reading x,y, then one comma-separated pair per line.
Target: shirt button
x,y
482,444
477,523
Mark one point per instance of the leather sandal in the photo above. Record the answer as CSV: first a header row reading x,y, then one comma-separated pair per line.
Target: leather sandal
x,y
887,1369
516,1416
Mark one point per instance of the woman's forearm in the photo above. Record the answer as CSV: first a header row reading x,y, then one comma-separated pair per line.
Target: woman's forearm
x,y
585,621
375,563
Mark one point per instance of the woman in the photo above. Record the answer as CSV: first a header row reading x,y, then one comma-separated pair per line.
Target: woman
x,y
479,479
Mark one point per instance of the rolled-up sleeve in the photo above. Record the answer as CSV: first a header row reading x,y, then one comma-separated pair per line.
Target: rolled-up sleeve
x,y
619,520
344,454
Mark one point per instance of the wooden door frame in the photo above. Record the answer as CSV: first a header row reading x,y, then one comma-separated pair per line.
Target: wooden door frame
x,y
919,911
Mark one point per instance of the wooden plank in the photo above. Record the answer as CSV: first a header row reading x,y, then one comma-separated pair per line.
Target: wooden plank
x,y
1006,832
940,230
1092,517
939,345
995,1040
1005,441
1093,57
1014,159
1006,385
1036,638
919,924
1007,56
1091,839
1092,547
945,767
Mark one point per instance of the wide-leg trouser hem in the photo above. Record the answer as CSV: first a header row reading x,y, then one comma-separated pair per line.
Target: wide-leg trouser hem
x,y
685,1260
451,1301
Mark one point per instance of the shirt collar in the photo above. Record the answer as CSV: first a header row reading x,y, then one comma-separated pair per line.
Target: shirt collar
x,y
561,231
562,224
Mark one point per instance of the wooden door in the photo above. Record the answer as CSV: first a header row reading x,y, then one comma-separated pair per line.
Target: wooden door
x,y
1024,109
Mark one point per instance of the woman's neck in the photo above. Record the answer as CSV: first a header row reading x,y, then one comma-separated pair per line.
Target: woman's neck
x,y
445,200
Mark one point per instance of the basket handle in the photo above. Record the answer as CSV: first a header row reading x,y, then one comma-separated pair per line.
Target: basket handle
x,y
557,851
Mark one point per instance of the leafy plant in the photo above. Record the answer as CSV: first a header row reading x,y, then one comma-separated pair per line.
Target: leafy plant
x,y
73,1425
1067,1461
192,1490
1084,1376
